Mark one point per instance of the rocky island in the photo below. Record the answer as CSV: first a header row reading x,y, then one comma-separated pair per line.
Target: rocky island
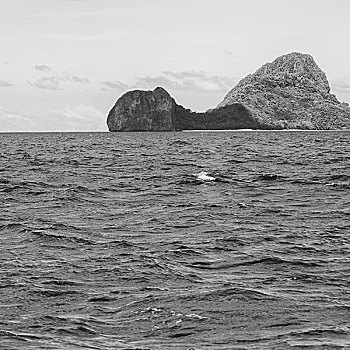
x,y
157,111
292,92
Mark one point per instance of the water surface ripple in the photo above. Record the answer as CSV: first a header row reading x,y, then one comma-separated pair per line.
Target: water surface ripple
x,y
113,241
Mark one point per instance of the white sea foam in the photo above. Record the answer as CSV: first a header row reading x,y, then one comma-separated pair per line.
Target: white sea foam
x,y
203,176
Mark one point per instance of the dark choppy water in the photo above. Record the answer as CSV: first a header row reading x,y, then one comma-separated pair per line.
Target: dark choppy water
x,y
108,241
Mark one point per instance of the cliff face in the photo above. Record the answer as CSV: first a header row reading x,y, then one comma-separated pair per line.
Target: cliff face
x,y
291,92
143,111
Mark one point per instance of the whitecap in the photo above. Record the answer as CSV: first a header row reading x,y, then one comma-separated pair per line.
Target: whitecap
x,y
203,176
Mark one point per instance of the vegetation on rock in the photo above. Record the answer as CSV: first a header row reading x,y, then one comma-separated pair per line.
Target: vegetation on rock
x,y
230,117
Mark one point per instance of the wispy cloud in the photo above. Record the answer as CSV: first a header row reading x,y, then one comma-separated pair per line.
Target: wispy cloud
x,y
5,84
74,78
151,82
341,84
186,80
201,81
42,67
70,118
82,112
115,85
81,118
53,82
47,83
11,121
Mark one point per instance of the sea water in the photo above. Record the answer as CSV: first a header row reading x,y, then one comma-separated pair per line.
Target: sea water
x,y
117,241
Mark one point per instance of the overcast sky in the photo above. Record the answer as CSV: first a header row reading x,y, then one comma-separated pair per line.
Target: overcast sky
x,y
64,63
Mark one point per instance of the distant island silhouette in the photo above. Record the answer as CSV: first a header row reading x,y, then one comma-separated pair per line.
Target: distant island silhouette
x,y
291,92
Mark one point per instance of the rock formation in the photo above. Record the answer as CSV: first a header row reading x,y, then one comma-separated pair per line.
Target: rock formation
x,y
157,111
292,92
143,111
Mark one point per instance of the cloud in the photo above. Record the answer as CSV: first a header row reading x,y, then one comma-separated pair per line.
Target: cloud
x,y
341,87
74,78
42,67
47,83
82,112
152,82
341,84
10,121
197,81
115,85
186,74
53,82
71,118
202,81
5,84
80,118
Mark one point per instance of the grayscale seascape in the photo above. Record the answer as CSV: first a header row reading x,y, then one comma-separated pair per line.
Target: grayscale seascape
x,y
112,240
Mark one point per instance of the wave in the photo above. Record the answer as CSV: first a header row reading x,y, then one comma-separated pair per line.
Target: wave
x,y
179,142
52,293
217,265
279,261
228,292
20,335
49,235
338,185
13,188
303,337
184,250
340,177
204,178
236,161
101,298
270,177
4,181
13,226
310,181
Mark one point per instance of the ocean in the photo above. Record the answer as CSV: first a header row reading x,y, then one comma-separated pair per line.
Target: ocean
x,y
196,240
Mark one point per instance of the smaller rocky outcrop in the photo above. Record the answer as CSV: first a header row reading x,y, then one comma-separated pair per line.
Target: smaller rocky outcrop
x,y
157,111
143,111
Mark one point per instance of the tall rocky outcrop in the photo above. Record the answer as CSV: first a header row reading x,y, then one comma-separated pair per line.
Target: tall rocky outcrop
x,y
291,92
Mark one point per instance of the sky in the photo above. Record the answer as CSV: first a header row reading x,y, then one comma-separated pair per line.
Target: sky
x,y
64,63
